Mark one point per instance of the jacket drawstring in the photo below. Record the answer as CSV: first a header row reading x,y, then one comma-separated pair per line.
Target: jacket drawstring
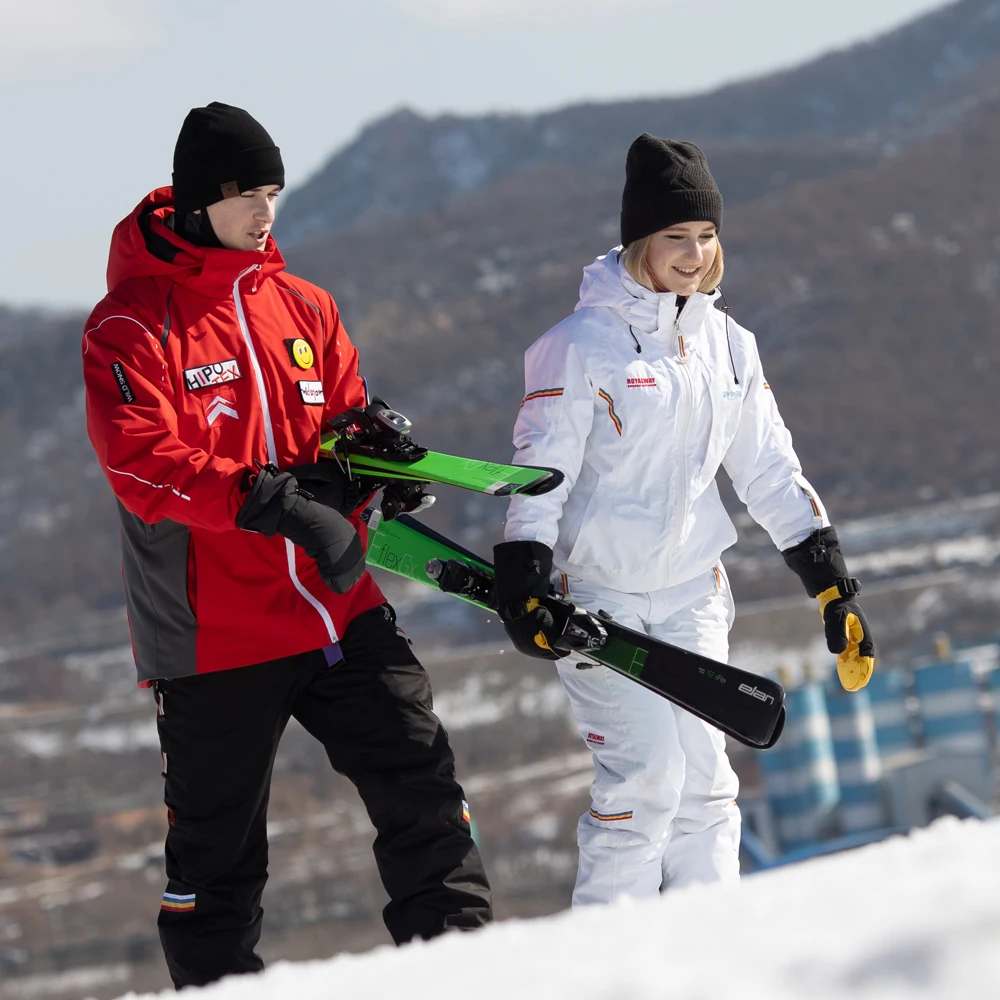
x,y
725,309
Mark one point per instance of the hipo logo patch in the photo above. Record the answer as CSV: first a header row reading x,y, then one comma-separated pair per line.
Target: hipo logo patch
x,y
214,374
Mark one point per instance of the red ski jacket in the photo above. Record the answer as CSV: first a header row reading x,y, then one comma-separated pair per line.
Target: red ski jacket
x,y
197,363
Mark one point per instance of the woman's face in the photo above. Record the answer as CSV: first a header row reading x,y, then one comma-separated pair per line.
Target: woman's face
x,y
681,256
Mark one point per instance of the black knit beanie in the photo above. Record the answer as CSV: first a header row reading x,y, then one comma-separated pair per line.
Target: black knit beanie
x,y
220,152
666,182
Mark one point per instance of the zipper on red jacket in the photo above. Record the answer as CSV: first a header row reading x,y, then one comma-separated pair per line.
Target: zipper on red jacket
x,y
272,451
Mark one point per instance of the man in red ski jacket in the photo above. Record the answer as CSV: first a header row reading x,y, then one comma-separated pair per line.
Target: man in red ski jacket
x,y
210,372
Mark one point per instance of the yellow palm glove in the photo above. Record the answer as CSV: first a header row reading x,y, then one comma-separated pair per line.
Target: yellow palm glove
x,y
819,564
847,635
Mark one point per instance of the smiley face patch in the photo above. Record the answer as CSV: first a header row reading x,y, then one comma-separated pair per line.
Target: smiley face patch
x,y
300,353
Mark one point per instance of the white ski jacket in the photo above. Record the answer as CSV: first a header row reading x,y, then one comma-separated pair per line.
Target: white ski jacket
x,y
638,406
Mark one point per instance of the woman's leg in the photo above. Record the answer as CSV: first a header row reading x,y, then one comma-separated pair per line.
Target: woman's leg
x,y
705,834
638,768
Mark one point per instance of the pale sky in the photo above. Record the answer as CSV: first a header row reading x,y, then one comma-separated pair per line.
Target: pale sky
x,y
93,92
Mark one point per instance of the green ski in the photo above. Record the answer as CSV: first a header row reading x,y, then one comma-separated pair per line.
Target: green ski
x,y
746,706
375,442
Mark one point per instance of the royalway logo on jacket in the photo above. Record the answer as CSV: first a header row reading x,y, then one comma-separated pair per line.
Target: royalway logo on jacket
x,y
640,383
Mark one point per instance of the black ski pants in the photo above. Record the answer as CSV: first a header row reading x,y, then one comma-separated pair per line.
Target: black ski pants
x,y
219,733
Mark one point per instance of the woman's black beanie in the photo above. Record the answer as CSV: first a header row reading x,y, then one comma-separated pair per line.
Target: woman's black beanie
x,y
666,182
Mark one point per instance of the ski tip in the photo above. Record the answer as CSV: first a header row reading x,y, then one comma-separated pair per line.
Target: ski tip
x,y
779,726
543,484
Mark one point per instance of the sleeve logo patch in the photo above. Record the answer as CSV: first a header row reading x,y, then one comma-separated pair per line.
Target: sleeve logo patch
x,y
123,386
300,352
215,374
312,393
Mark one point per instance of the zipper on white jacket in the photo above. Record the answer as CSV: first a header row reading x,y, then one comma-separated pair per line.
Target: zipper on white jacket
x,y
272,451
680,511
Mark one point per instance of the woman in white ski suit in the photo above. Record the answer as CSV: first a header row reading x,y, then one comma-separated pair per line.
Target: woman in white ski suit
x,y
639,397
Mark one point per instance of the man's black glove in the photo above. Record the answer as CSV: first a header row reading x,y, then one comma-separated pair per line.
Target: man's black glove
x,y
522,571
274,506
329,484
820,566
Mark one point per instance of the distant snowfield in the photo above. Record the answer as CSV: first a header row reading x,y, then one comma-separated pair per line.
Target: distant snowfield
x,y
911,917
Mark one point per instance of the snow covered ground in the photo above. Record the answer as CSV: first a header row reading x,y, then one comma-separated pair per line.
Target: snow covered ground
x,y
910,917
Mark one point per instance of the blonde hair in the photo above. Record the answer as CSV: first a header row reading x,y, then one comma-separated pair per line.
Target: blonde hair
x,y
637,264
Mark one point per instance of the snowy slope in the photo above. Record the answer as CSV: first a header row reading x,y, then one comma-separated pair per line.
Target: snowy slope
x,y
914,917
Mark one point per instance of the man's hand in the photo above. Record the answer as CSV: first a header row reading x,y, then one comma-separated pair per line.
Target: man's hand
x,y
274,506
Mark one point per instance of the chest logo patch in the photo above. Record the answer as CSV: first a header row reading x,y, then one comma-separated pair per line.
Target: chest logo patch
x,y
215,374
641,383
312,393
301,353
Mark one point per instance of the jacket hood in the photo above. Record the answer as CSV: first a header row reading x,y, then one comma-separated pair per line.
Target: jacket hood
x,y
607,283
207,271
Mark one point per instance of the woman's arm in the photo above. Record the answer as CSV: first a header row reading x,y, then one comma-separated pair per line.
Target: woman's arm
x,y
551,430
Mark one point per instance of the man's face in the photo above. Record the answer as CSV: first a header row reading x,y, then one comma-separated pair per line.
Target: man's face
x,y
244,222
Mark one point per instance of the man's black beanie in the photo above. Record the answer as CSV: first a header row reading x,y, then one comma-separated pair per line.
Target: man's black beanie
x,y
666,182
220,152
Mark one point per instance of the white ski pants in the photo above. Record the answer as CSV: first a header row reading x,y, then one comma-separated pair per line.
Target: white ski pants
x,y
663,811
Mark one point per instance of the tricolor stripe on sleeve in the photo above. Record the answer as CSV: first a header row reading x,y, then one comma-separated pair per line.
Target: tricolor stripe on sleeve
x,y
611,410
542,393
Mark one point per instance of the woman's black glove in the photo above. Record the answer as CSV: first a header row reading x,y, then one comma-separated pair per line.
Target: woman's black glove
x,y
274,506
522,571
820,566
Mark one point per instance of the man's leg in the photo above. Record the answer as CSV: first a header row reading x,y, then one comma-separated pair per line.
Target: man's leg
x,y
372,713
218,733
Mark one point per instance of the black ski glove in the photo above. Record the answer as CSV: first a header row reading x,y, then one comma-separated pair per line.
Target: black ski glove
x,y
820,566
521,571
274,506
326,482
329,485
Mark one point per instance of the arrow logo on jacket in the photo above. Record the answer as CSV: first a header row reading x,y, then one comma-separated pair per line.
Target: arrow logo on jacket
x,y
217,406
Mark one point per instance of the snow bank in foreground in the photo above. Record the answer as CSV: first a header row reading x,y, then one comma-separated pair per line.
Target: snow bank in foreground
x,y
911,917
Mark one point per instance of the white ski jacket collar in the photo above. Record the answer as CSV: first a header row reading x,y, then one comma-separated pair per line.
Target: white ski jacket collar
x,y
607,283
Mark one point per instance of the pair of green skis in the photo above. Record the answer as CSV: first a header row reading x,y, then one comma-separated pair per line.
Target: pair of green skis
x,y
745,706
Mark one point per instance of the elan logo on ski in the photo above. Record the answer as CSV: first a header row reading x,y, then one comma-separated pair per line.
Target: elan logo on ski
x,y
755,692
